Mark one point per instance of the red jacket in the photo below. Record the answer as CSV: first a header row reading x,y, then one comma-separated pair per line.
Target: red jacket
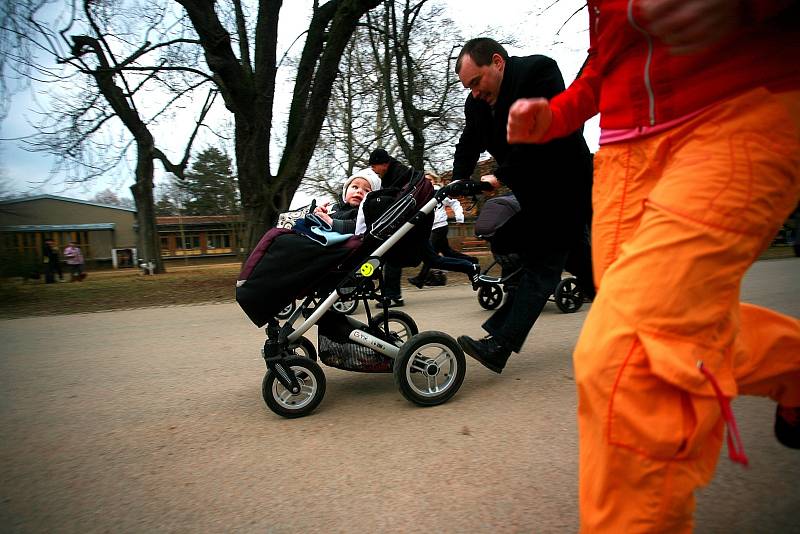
x,y
633,80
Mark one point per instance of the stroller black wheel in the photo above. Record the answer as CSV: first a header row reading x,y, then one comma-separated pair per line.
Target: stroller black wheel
x,y
430,368
347,307
401,325
287,311
312,388
568,295
490,296
304,348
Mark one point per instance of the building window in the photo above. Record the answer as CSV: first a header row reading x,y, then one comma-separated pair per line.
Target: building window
x,y
187,245
218,243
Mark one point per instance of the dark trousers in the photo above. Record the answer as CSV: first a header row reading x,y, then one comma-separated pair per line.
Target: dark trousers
x,y
539,277
391,281
51,269
450,260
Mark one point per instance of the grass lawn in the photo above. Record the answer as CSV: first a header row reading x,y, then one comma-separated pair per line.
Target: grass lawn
x,y
113,290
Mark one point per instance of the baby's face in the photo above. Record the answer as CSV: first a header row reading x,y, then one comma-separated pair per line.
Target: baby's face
x,y
356,191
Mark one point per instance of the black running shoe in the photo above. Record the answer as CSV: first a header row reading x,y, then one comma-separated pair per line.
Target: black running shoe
x,y
415,281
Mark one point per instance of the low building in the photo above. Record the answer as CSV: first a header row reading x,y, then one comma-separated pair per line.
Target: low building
x,y
208,236
106,234
100,230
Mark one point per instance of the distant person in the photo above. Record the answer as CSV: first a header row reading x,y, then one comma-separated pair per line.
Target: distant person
x,y
51,261
699,164
393,174
439,242
74,258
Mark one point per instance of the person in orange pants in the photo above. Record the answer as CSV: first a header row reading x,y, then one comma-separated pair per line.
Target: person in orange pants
x,y
699,165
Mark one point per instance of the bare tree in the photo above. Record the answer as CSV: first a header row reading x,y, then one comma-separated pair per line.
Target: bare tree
x,y
247,82
111,198
101,57
396,89
242,65
414,50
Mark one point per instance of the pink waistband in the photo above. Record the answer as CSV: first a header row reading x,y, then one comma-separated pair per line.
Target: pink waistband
x,y
608,136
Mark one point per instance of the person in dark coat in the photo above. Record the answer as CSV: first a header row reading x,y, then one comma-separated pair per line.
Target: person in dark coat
x,y
393,174
51,261
552,183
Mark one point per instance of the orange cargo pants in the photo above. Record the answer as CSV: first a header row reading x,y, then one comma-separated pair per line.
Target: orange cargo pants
x,y
679,217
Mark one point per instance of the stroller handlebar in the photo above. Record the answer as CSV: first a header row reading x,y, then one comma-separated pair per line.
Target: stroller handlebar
x,y
462,188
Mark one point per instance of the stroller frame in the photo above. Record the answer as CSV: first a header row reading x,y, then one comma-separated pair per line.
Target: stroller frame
x,y
428,367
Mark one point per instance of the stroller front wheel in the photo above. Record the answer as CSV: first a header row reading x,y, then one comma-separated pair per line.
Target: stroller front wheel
x,y
430,368
401,325
568,296
347,307
286,312
312,388
490,296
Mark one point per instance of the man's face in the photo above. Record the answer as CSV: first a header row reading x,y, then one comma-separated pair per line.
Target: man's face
x,y
484,82
380,168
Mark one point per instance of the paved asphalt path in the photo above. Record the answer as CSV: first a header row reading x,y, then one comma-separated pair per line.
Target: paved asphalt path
x,y
151,420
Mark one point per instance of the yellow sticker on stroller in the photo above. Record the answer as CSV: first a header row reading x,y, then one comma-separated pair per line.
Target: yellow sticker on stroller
x,y
367,269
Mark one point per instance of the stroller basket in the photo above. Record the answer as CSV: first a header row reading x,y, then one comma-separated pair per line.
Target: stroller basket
x,y
352,357
397,214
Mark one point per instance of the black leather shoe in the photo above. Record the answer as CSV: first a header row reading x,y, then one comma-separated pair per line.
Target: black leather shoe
x,y
488,351
787,426
415,281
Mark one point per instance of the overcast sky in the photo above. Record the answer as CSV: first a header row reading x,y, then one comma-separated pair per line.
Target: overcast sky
x,y
533,23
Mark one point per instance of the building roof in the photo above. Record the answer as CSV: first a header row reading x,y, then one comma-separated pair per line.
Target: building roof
x,y
197,219
56,227
63,199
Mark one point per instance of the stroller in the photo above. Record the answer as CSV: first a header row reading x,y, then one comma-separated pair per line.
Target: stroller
x,y
428,367
496,224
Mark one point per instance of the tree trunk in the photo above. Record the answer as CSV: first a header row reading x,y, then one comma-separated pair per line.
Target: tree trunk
x,y
148,242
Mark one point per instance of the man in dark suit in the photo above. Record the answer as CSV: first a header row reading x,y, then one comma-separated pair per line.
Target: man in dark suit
x,y
551,181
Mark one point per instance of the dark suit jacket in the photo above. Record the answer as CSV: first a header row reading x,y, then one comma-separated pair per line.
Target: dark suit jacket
x,y
552,181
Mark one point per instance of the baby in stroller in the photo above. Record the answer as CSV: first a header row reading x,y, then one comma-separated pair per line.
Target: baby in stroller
x,y
428,367
501,224
342,216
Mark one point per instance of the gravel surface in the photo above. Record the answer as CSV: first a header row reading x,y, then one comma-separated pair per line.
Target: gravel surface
x,y
151,420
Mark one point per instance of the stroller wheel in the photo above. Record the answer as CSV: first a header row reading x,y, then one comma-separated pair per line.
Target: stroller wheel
x,y
304,348
401,325
287,311
430,368
346,307
312,388
490,296
568,295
